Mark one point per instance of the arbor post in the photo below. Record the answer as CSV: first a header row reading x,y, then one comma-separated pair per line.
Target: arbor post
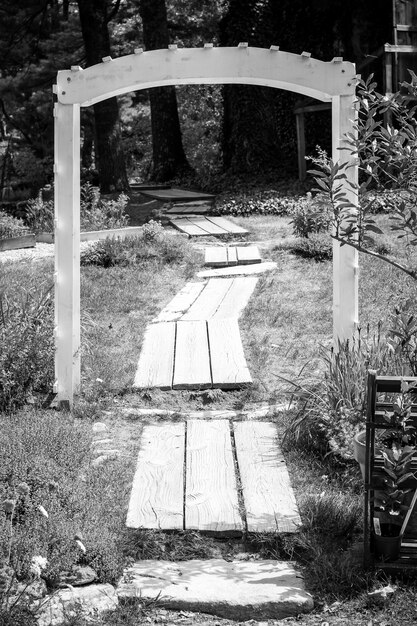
x,y
345,258
67,251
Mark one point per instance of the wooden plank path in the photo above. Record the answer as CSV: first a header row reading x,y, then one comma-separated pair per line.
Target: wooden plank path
x,y
176,195
222,256
198,348
203,226
188,473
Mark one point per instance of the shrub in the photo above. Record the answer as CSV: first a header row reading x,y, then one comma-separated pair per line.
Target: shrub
x,y
311,216
95,213
153,244
257,203
332,406
11,226
26,345
317,246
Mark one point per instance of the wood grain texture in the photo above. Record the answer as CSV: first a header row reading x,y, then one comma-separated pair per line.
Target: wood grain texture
x,y
267,493
211,502
157,497
176,195
244,270
209,300
192,362
237,297
248,254
186,226
209,226
231,255
228,364
157,357
216,256
181,302
231,227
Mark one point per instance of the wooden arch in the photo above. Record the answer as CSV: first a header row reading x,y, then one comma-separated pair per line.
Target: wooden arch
x,y
332,81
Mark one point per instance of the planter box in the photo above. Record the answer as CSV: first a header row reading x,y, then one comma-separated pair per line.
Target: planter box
x,y
15,243
95,235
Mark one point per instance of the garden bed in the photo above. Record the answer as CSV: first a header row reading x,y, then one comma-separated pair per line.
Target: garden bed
x,y
15,243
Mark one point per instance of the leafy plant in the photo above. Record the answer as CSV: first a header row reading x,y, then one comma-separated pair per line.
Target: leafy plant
x,y
40,214
310,216
403,333
317,246
11,226
258,202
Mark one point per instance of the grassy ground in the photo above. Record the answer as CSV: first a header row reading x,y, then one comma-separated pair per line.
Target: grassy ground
x,y
282,326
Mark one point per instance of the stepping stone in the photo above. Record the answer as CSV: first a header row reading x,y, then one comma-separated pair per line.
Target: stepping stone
x,y
237,590
246,270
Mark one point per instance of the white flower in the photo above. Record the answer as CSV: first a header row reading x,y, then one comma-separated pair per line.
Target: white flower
x,y
37,565
43,511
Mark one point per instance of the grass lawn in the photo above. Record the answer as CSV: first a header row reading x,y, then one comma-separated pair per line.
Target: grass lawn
x,y
288,317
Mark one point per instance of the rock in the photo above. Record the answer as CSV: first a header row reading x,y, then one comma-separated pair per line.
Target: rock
x,y
113,453
65,603
102,459
102,442
100,427
36,590
78,576
238,590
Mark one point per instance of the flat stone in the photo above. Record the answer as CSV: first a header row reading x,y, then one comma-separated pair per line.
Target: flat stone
x,y
78,576
102,442
100,427
239,590
65,603
103,458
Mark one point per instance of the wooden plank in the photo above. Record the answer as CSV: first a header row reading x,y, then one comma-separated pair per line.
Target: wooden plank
x,y
237,297
181,210
206,224
156,359
17,243
256,268
227,225
192,363
180,303
231,255
188,227
228,364
177,195
248,254
216,256
157,496
267,493
211,502
209,300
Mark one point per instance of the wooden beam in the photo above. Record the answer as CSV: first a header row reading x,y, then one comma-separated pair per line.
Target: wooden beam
x,y
268,497
157,496
237,297
192,362
209,300
156,361
181,302
211,503
228,364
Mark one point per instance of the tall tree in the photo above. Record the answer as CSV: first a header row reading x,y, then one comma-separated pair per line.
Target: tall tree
x,y
168,153
95,16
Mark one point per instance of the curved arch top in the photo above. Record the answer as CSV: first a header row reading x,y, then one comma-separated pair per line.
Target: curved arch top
x,y
181,66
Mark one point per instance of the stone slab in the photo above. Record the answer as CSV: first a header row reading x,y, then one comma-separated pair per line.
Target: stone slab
x,y
239,590
66,603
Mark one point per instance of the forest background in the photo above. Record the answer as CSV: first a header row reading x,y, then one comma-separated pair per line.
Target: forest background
x,y
202,135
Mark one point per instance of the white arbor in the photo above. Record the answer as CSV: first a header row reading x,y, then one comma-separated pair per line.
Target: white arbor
x,y
332,81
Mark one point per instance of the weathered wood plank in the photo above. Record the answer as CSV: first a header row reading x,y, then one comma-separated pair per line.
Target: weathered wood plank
x,y
244,270
192,362
176,195
156,359
228,364
184,224
209,226
248,254
227,225
216,256
267,493
181,302
157,497
211,502
209,300
237,297
16,243
231,255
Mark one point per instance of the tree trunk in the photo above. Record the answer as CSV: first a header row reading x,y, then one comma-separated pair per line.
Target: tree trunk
x,y
109,154
168,153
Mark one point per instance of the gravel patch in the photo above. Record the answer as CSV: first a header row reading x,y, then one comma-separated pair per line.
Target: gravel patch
x,y
40,251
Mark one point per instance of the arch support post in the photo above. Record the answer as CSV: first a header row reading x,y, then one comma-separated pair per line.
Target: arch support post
x,y
67,252
345,258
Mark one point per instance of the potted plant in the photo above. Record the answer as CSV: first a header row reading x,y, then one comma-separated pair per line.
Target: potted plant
x,y
396,481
